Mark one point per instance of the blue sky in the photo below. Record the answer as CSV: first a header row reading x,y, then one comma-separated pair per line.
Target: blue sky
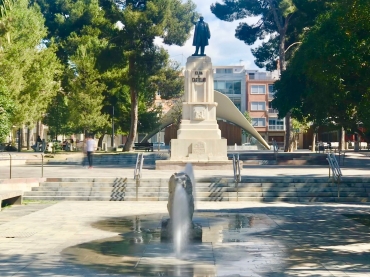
x,y
224,48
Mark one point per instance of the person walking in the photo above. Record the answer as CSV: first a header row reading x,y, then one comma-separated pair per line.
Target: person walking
x,y
90,147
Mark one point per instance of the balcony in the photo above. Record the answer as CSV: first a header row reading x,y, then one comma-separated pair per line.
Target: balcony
x,y
271,96
276,128
273,112
263,76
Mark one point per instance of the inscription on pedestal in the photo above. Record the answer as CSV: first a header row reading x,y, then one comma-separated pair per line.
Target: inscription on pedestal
x,y
198,77
198,148
199,113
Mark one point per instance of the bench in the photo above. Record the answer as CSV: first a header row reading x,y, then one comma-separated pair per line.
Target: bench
x,y
11,197
147,146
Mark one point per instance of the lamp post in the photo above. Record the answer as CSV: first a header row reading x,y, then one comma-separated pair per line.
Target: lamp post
x,y
112,138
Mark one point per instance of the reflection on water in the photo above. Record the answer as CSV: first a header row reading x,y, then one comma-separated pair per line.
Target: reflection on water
x,y
136,249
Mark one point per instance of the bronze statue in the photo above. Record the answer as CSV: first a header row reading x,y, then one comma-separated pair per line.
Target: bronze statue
x,y
201,36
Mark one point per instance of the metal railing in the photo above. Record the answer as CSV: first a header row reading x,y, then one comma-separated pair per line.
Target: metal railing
x,y
14,159
335,172
276,128
237,175
341,156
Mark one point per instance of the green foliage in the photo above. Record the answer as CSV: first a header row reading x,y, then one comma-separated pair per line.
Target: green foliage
x,y
169,81
85,93
249,118
6,111
27,66
107,48
57,116
282,20
326,81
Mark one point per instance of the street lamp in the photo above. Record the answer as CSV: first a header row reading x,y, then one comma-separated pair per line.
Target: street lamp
x,y
112,138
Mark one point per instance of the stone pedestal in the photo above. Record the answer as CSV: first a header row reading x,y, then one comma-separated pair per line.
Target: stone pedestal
x,y
199,138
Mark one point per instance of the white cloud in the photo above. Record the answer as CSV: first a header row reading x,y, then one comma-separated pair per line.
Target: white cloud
x,y
224,48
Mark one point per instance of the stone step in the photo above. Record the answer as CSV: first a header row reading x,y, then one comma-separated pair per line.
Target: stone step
x,y
140,198
72,198
73,193
96,180
97,189
146,189
147,194
80,184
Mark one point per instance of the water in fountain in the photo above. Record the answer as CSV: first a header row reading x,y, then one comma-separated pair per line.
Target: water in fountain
x,y
181,220
190,172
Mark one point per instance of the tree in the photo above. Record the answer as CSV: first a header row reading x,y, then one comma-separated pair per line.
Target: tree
x,y
127,51
6,111
329,71
30,69
168,19
284,21
85,94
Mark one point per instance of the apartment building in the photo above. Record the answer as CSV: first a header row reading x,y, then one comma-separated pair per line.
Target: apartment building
x,y
260,92
230,80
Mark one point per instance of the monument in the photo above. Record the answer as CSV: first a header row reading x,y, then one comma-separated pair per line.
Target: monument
x,y
198,137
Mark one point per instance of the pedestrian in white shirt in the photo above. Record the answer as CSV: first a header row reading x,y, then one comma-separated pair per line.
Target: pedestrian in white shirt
x,y
90,147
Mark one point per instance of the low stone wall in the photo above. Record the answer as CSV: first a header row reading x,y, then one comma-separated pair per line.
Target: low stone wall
x,y
24,184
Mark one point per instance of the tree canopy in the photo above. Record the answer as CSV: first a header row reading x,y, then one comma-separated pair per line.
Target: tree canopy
x,y
282,22
28,68
326,81
110,59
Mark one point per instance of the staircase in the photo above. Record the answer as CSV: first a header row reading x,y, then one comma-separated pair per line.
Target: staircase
x,y
111,159
79,189
277,189
281,158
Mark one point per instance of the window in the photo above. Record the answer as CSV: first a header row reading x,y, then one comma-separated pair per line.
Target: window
x,y
220,86
258,122
237,87
258,89
237,102
276,124
271,89
258,106
228,87
251,76
224,70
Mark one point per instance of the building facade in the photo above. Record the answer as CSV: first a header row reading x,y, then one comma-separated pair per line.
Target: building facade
x,y
230,80
260,93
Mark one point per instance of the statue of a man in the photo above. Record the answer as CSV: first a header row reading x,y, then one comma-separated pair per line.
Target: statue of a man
x,y
201,36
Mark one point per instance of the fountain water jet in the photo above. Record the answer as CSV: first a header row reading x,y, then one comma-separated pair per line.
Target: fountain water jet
x,y
179,227
181,220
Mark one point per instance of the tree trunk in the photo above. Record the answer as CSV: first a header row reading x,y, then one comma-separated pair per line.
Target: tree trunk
x,y
313,148
28,138
287,132
24,135
37,128
100,141
134,109
343,139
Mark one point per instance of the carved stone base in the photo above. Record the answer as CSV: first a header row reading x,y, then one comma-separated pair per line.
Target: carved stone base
x,y
194,150
197,165
195,231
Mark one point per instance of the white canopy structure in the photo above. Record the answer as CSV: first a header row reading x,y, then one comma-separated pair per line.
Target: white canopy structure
x,y
225,110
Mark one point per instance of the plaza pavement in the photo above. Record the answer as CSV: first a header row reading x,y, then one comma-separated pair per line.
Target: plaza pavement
x,y
287,240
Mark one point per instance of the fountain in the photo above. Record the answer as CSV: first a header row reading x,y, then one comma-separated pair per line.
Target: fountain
x,y
180,227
